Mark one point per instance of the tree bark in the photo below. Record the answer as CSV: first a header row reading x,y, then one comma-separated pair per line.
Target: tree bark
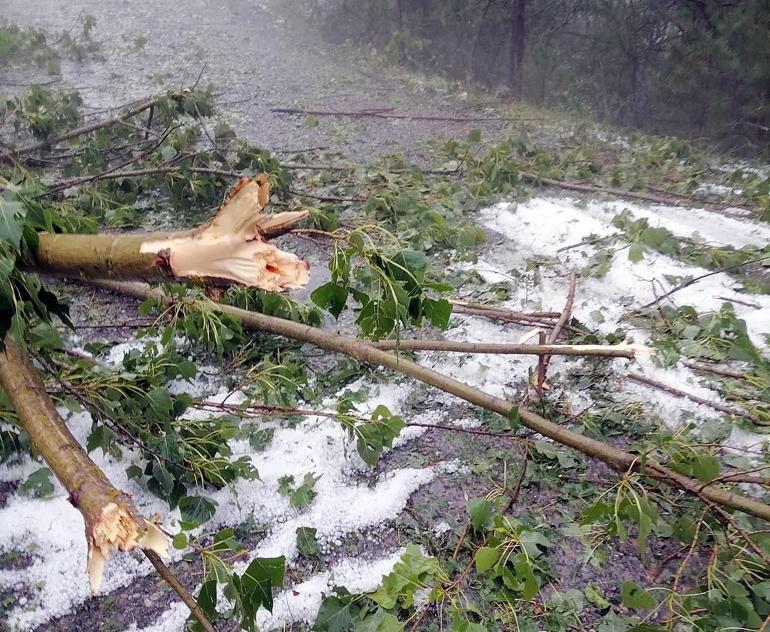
x,y
111,520
618,459
231,248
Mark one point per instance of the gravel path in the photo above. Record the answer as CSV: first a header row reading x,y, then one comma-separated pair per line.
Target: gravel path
x,y
254,59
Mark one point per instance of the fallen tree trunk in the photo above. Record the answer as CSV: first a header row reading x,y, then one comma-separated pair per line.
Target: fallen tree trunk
x,y
231,248
111,520
618,459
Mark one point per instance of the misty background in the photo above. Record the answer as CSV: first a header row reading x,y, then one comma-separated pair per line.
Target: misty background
x,y
694,68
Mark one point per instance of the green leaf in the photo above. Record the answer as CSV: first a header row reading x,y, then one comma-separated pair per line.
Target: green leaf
x,y
207,601
46,337
335,614
330,296
197,509
304,494
513,418
410,267
525,572
272,568
100,437
11,224
374,436
258,580
634,596
163,477
161,403
379,621
411,572
307,544
480,511
486,557
705,467
179,541
474,136
636,252
438,312
595,597
596,512
38,484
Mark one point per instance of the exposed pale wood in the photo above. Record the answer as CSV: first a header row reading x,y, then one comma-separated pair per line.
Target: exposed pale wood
x,y
111,520
231,248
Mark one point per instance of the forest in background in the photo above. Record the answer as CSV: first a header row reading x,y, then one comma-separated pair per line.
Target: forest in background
x,y
697,68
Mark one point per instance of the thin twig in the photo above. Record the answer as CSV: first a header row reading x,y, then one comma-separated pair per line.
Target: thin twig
x,y
690,282
667,200
717,370
739,302
519,482
724,408
325,198
503,315
409,117
565,317
169,577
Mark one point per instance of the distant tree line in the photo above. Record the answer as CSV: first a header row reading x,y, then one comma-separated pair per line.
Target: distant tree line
x,y
698,67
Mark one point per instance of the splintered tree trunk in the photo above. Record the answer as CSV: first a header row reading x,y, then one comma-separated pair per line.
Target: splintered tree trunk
x,y
231,248
518,34
111,520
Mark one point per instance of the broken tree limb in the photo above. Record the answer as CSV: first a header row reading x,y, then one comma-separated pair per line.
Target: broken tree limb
x,y
667,200
111,520
231,248
386,114
724,408
715,369
128,113
605,351
502,310
171,579
618,459
112,174
564,319
689,282
504,315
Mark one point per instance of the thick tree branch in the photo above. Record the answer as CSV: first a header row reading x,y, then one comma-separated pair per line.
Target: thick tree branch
x,y
111,520
616,458
231,248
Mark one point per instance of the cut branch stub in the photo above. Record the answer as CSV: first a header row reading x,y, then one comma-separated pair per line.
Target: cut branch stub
x,y
111,520
231,248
